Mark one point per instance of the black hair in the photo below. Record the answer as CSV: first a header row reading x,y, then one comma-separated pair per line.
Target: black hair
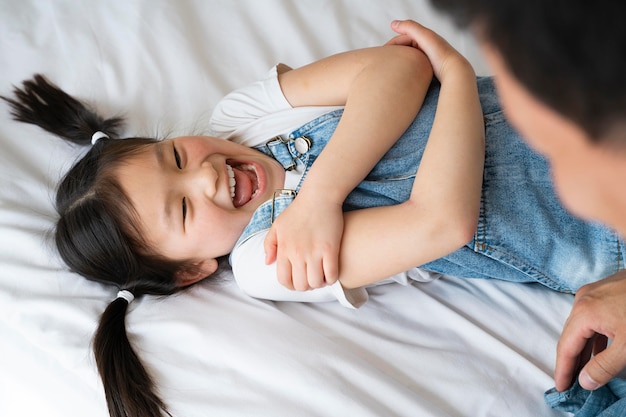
x,y
567,53
97,236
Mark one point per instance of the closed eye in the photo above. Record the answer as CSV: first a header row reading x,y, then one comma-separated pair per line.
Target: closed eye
x,y
177,159
180,166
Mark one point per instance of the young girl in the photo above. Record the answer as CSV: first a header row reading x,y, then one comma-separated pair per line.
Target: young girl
x,y
152,217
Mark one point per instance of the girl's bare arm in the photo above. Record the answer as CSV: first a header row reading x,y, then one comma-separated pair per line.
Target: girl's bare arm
x,y
382,90
442,212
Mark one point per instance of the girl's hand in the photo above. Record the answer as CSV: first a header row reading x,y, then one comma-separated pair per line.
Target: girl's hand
x,y
443,57
304,241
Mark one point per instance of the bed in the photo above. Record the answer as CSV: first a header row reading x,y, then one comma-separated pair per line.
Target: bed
x,y
450,347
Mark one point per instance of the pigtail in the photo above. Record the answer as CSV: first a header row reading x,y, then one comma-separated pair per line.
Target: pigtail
x,y
97,238
43,104
128,388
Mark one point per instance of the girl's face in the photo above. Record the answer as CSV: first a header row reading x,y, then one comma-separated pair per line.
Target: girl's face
x,y
194,195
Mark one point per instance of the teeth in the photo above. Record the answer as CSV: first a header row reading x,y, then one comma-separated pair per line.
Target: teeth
x,y
231,180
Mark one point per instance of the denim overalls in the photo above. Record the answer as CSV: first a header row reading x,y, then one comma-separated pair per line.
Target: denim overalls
x,y
523,233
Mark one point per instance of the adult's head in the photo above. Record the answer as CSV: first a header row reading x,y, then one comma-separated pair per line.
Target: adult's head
x,y
559,68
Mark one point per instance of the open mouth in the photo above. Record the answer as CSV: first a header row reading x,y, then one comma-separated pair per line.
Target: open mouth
x,y
243,180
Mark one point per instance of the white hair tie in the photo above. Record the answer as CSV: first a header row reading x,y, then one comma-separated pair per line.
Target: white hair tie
x,y
97,136
126,295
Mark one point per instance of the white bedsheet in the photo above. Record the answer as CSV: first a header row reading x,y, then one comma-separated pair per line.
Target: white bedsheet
x,y
451,347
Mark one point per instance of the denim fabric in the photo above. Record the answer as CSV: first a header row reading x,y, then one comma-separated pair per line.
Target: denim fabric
x,y
606,401
523,234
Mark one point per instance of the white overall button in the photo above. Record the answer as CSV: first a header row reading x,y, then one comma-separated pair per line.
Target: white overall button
x,y
302,144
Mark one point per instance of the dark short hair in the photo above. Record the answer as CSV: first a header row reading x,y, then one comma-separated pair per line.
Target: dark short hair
x,y
570,54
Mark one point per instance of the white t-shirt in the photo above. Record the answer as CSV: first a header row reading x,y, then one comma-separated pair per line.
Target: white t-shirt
x,y
251,116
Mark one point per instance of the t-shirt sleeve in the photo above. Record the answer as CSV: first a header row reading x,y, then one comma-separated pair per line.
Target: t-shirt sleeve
x,y
258,112
258,280
247,105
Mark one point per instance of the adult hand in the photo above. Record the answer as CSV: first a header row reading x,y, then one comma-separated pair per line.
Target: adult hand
x,y
598,314
304,241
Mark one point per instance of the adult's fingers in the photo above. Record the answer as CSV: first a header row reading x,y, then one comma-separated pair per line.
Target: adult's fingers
x,y
604,366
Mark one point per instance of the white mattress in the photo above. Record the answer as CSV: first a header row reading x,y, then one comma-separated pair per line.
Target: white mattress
x,y
452,347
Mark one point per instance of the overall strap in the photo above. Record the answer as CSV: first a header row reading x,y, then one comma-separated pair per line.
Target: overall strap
x,y
264,216
287,151
295,152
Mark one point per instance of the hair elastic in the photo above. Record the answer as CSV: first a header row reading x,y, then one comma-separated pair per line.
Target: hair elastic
x,y
126,295
97,136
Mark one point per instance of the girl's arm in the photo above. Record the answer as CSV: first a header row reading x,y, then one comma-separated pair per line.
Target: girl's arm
x,y
382,89
442,213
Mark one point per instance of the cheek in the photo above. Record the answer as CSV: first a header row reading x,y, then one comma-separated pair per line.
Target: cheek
x,y
220,229
532,134
576,188
226,146
202,147
565,186
537,128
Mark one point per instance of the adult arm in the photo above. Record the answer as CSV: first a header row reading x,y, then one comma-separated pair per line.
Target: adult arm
x,y
382,90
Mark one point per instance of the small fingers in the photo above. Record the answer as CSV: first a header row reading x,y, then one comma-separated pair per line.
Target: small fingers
x,y
299,276
406,27
403,40
331,270
436,48
294,273
283,273
315,275
304,276
270,245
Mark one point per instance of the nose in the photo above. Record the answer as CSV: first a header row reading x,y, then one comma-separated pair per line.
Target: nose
x,y
201,180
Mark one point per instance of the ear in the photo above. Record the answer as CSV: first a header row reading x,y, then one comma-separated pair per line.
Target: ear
x,y
195,272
